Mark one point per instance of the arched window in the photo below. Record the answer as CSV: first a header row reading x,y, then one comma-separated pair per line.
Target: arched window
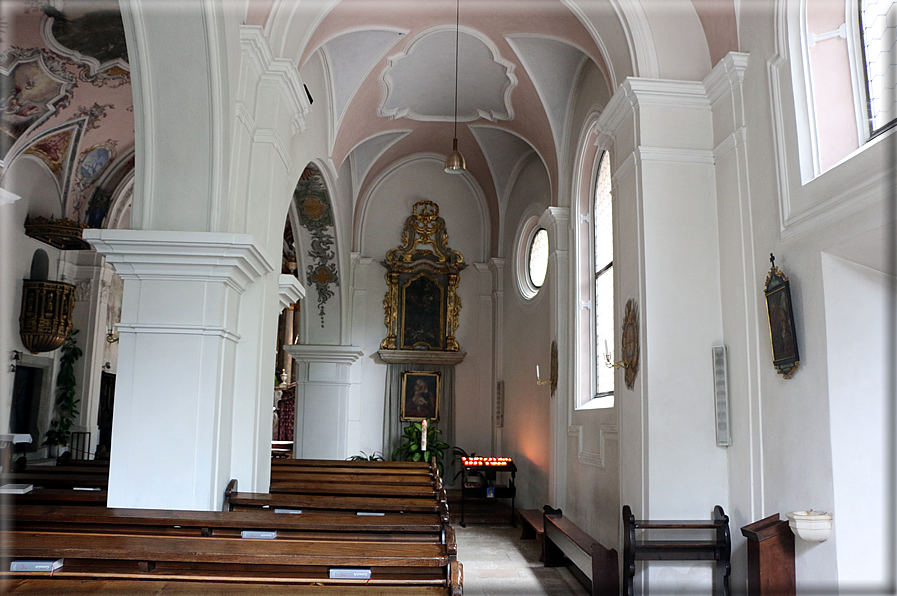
x,y
843,78
604,279
878,22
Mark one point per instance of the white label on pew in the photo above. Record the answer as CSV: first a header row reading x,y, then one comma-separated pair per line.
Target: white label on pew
x,y
350,574
267,535
369,513
287,511
47,565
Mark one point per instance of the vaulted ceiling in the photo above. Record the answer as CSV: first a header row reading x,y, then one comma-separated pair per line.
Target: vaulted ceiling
x,y
389,71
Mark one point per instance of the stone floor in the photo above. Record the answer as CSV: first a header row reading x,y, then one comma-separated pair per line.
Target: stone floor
x,y
498,563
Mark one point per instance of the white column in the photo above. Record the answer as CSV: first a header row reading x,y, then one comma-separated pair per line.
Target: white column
x,y
175,401
322,399
557,221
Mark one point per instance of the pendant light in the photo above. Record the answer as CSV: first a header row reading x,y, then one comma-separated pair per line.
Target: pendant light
x,y
454,163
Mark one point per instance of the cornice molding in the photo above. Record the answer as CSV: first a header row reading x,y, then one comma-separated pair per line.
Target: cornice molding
x,y
676,155
291,290
318,354
233,259
277,72
420,357
7,198
725,76
213,331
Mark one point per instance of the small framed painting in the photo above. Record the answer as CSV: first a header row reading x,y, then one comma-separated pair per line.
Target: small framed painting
x,y
782,335
420,395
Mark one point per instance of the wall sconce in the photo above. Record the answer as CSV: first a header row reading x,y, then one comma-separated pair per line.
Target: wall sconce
x,y
110,338
553,376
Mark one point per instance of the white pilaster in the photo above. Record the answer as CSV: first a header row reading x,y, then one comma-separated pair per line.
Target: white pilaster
x,y
91,277
557,221
322,399
668,262
175,399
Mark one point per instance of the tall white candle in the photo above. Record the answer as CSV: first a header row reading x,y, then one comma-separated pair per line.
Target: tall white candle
x,y
537,372
423,435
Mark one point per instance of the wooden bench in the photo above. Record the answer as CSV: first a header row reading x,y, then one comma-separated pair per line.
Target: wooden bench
x,y
222,559
59,496
593,565
533,528
717,548
393,527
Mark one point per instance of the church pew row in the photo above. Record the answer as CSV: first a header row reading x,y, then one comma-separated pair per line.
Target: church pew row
x,y
321,525
58,496
71,587
233,560
54,479
325,475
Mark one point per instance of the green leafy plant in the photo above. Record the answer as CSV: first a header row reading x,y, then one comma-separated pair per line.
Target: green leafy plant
x,y
66,404
410,449
457,454
375,456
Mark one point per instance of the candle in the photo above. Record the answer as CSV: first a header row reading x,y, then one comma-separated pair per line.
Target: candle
x,y
423,435
537,372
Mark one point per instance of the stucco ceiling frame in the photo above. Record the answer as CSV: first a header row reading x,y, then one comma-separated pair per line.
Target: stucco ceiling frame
x,y
393,61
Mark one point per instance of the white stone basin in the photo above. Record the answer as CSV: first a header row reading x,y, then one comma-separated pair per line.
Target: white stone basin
x,y
812,526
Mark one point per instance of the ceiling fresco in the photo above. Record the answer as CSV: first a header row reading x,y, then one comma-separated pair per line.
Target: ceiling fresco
x,y
65,98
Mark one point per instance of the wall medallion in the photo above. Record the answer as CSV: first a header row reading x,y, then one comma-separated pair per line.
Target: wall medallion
x,y
630,342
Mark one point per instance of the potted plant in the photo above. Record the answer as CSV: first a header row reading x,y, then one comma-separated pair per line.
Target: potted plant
x,y
66,404
375,456
410,449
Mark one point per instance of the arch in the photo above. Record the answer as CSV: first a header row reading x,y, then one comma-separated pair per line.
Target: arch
x,y
361,209
29,177
40,266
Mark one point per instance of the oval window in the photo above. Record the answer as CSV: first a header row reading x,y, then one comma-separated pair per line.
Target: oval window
x,y
538,258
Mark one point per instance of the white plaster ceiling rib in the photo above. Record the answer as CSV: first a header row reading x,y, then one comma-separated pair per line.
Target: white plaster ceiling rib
x,y
504,151
350,57
641,41
365,153
292,24
553,66
420,82
607,69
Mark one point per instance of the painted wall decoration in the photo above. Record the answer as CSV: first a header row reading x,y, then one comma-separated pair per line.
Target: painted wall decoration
x,y
57,149
33,86
94,114
108,187
316,216
92,162
91,35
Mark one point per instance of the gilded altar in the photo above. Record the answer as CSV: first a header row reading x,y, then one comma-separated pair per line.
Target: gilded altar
x,y
422,303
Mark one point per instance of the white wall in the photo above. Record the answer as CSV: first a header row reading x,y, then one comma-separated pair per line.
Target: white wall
x,y
857,382
527,343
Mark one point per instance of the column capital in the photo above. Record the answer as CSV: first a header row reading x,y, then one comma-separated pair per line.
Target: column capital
x,y
233,259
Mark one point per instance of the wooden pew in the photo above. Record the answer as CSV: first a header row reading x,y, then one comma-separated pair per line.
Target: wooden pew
x,y
56,479
59,496
222,559
593,565
717,549
393,527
